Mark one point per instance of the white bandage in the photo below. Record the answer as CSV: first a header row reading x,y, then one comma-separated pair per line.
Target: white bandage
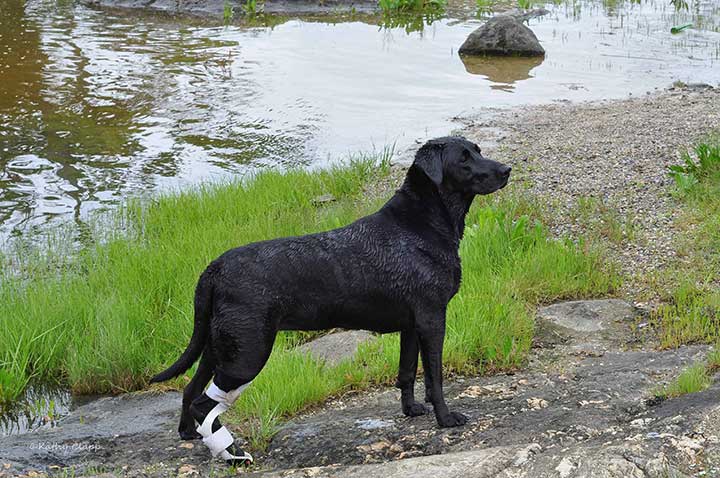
x,y
226,398
221,439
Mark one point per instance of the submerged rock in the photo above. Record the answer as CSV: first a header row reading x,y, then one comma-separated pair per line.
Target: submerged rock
x,y
502,35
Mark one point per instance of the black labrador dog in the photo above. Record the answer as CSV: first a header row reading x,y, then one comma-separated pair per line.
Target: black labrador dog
x,y
395,270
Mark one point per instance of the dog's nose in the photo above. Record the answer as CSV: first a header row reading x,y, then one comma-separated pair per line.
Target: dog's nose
x,y
505,171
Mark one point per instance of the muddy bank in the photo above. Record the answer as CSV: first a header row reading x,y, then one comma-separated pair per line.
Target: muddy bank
x,y
583,407
216,8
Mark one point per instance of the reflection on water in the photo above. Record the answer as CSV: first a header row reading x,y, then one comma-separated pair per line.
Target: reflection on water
x,y
41,406
96,106
501,74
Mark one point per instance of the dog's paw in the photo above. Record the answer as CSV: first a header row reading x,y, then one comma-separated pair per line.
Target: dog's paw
x,y
189,435
414,409
452,419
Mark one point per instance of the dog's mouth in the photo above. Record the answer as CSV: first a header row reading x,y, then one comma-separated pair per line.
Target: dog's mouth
x,y
505,183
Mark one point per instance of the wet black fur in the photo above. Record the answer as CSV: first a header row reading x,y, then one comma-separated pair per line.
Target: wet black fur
x,y
394,270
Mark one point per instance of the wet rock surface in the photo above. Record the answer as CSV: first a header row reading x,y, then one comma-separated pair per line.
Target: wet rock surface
x,y
502,35
574,411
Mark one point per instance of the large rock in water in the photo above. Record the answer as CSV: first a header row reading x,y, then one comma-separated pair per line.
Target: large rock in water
x,y
503,35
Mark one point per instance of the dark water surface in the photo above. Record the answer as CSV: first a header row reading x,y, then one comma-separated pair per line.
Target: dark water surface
x,y
96,106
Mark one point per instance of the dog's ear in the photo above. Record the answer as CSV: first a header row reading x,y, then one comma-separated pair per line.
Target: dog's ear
x,y
429,160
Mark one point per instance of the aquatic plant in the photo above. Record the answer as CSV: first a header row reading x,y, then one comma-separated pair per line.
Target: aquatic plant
x,y
389,6
250,7
485,7
228,12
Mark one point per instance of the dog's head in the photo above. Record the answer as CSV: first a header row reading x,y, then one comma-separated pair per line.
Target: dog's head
x,y
455,164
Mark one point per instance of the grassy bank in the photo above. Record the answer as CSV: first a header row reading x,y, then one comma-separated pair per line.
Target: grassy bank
x,y
107,318
691,313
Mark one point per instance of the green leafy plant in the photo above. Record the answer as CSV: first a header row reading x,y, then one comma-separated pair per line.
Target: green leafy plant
x,y
692,171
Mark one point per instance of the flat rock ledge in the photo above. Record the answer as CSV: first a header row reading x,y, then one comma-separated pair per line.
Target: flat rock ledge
x,y
584,406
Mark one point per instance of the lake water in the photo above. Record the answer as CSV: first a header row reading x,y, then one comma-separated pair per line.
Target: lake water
x,y
98,106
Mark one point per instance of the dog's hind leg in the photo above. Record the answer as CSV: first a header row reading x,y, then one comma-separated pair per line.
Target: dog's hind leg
x,y
217,399
242,353
407,372
192,391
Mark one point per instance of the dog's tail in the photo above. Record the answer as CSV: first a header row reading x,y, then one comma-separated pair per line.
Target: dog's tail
x,y
201,329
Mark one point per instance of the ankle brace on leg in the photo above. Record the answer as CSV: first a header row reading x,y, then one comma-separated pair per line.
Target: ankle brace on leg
x,y
220,442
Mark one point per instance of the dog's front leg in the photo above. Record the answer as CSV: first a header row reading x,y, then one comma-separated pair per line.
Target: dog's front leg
x,y
407,372
431,334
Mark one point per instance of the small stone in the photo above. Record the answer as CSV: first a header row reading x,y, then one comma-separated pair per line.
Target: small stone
x,y
537,403
187,445
323,199
335,347
585,403
396,448
187,470
565,467
379,446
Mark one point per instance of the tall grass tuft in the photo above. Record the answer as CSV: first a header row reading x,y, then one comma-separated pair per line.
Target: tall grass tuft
x,y
691,380
119,311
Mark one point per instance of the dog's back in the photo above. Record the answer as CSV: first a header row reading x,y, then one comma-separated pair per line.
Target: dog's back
x,y
361,276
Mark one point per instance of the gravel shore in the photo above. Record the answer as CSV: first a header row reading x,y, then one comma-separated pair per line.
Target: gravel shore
x,y
605,165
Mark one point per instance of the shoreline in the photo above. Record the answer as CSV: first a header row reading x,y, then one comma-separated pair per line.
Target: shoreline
x,y
602,167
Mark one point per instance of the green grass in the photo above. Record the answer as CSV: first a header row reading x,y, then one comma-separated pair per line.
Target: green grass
x,y
603,221
524,4
693,379
692,311
108,317
390,6
250,7
228,12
